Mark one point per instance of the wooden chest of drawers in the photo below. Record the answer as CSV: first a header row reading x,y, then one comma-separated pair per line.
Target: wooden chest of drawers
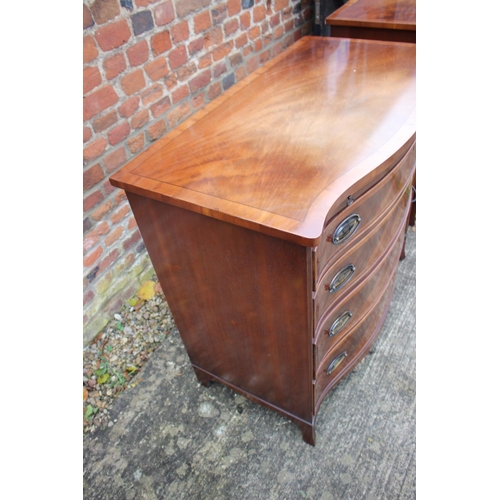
x,y
275,218
392,20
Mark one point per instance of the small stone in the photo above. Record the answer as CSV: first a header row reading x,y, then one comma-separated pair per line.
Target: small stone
x,y
118,317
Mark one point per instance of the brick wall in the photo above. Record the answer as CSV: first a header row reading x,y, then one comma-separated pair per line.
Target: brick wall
x,y
149,65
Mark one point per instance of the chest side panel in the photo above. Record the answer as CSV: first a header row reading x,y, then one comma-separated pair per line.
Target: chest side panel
x,y
240,299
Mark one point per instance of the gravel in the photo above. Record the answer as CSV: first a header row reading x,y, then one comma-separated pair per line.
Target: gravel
x,y
113,360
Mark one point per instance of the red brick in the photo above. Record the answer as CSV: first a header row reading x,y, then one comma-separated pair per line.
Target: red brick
x,y
113,35
265,56
198,101
87,298
104,10
114,65
219,13
231,26
132,223
160,106
280,4
156,130
233,7
114,236
136,144
214,90
115,159
245,20
236,59
92,176
257,46
205,61
240,73
180,32
118,133
252,64
171,81
185,72
274,20
90,51
288,41
276,49
200,81
87,17
133,82
185,7
92,200
120,214
98,101
195,46
158,68
94,236
138,53
129,107
144,3
222,51
91,78
87,134
241,40
105,121
180,93
107,187
254,33
161,42
278,32
120,196
202,21
267,39
259,13
289,26
164,13
140,119
136,236
151,94
219,69
178,114
91,259
177,57
94,149
107,261
213,37
103,210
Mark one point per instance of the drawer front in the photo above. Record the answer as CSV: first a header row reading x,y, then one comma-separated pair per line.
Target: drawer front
x,y
350,311
347,353
353,222
350,268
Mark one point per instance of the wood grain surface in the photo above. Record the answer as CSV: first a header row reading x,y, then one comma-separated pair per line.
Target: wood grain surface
x,y
388,14
281,147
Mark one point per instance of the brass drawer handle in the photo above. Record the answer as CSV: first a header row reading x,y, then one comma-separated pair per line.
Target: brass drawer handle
x,y
336,362
340,323
342,278
346,229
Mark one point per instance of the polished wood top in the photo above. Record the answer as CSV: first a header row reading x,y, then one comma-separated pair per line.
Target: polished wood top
x,y
278,149
391,14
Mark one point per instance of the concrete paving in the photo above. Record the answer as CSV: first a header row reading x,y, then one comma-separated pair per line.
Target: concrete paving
x,y
173,438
